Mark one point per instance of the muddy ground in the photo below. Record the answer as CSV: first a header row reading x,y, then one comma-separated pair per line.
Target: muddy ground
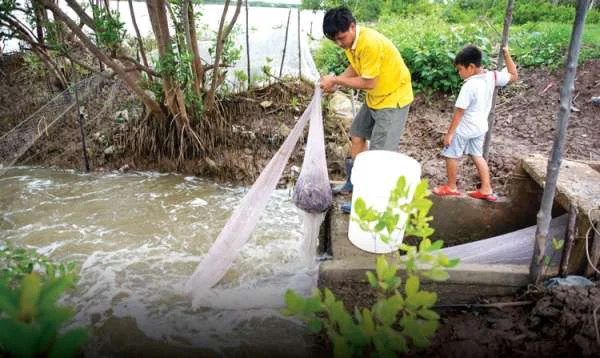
x,y
557,322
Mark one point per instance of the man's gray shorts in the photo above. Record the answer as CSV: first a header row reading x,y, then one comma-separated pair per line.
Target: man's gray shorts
x,y
461,145
382,127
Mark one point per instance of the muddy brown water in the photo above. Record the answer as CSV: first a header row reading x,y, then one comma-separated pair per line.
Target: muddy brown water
x,y
137,237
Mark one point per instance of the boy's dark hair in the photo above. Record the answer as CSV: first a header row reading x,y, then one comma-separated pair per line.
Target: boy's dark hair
x,y
468,55
337,20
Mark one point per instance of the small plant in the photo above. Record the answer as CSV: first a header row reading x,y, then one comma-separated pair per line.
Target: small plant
x,y
30,318
398,319
556,246
17,262
110,31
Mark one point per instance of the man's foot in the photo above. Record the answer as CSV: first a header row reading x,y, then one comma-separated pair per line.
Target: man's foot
x,y
444,190
346,208
478,195
345,188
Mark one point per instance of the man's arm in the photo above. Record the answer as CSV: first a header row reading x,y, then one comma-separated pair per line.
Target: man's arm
x,y
456,117
510,66
347,79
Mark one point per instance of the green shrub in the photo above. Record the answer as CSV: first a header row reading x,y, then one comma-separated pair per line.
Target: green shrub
x,y
30,317
330,58
403,314
546,44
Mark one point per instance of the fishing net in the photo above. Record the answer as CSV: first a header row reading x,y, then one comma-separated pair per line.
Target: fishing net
x,y
313,191
242,222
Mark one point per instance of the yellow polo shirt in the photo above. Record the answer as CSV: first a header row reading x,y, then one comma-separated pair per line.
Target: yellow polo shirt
x,y
374,56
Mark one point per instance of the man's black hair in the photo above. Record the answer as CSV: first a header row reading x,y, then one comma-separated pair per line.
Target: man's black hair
x,y
468,55
337,20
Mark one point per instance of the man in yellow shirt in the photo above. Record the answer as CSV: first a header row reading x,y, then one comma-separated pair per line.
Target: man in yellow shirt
x,y
376,67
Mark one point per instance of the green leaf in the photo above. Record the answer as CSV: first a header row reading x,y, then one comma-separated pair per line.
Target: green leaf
x,y
293,301
315,325
67,344
437,245
557,244
424,245
8,301
412,285
372,279
452,263
428,314
437,274
17,338
396,340
369,324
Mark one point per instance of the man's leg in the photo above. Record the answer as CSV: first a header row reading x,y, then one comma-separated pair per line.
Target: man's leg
x,y
359,145
388,128
361,128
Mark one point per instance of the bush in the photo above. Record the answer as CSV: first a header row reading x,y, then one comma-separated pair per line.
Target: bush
x,y
30,318
329,58
403,314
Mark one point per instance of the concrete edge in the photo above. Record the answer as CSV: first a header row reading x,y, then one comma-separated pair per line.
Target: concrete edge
x,y
470,274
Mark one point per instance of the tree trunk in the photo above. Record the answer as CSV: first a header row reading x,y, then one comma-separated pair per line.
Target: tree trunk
x,y
39,21
221,36
160,25
138,37
188,27
120,71
287,28
248,44
544,215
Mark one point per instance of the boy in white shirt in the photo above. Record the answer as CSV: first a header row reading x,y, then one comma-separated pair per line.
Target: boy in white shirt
x,y
470,120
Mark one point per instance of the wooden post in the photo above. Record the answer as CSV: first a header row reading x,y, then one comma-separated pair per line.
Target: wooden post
x,y
544,215
299,49
287,27
569,241
248,45
81,130
499,64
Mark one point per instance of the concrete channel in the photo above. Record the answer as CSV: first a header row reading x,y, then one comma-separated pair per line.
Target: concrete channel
x,y
493,240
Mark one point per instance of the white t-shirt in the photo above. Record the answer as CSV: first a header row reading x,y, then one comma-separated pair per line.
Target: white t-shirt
x,y
475,98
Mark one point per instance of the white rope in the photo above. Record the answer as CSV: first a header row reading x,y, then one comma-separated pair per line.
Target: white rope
x,y
587,233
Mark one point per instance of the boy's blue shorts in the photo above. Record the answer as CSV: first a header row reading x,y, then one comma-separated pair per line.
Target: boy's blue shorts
x,y
461,145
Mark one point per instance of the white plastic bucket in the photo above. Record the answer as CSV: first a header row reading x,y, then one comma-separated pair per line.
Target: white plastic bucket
x,y
374,175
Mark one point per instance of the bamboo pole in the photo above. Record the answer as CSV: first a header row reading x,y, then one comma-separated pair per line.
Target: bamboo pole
x,y
287,28
299,49
499,64
544,215
248,44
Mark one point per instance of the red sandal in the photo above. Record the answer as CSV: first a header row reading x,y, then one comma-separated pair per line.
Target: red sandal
x,y
478,195
444,190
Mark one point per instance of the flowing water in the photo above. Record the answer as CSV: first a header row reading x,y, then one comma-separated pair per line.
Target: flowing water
x,y
137,237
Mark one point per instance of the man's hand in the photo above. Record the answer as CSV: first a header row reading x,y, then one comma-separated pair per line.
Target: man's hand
x,y
448,139
327,83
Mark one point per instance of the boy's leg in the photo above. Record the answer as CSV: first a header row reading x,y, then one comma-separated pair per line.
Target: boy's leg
x,y
474,148
388,127
484,174
452,153
451,170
